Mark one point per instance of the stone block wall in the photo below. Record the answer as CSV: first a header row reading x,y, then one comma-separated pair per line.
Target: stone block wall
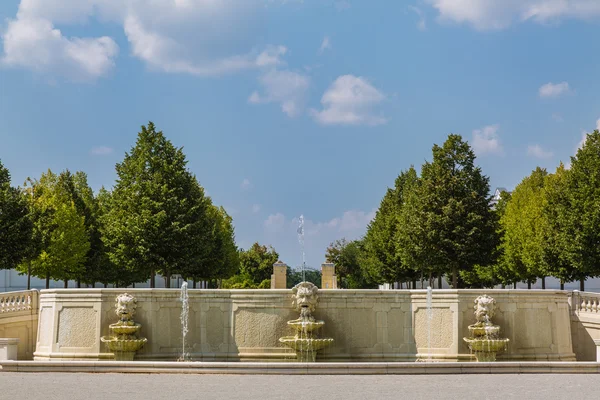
x,y
367,325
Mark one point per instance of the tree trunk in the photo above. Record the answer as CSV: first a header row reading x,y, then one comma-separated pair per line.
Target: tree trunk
x,y
515,285
528,284
503,286
66,283
47,280
29,275
439,282
543,282
78,284
152,278
194,283
582,285
133,285
414,284
562,285
454,278
168,280
105,285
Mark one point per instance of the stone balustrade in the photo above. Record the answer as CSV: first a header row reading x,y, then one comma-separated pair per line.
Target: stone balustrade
x,y
585,302
18,301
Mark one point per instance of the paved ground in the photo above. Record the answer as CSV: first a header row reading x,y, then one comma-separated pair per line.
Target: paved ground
x,y
329,387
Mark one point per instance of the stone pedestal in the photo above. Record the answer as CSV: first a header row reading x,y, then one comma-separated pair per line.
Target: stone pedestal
x,y
328,277
279,277
597,343
8,348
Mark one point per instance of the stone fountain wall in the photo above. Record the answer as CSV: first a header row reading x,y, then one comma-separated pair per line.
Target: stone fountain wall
x,y
367,325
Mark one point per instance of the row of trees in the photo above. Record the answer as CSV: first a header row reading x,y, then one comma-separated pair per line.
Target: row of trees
x,y
156,219
442,223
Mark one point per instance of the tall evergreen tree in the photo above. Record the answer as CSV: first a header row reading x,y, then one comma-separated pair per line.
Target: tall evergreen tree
x,y
382,255
452,227
157,217
15,225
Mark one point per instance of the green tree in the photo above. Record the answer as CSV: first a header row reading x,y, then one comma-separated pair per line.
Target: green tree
x,y
582,222
382,255
556,211
59,230
256,263
157,219
525,229
16,227
346,256
448,223
222,258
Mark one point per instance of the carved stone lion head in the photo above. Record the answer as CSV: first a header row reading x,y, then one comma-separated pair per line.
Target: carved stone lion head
x,y
126,305
485,307
305,297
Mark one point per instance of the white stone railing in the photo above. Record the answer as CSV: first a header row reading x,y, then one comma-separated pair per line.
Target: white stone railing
x,y
585,302
12,302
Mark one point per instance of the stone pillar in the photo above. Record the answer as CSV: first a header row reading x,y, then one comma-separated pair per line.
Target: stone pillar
x,y
279,277
328,277
8,348
597,343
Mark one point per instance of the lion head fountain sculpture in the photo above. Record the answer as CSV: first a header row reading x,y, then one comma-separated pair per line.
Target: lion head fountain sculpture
x,y
305,342
484,340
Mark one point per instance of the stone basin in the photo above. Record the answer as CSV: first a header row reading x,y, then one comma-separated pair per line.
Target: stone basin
x,y
115,344
486,345
305,326
120,329
484,330
303,344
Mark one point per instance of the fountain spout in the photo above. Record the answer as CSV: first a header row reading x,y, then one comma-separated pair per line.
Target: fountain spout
x,y
484,340
123,341
305,342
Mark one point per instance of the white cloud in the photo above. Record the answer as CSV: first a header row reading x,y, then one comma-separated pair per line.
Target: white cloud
x,y
274,223
486,140
538,152
325,45
284,87
255,208
199,37
421,25
350,101
101,151
499,14
246,184
553,90
34,43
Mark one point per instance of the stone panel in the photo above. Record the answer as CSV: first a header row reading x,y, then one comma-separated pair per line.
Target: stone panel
x,y
214,328
442,328
45,326
259,328
77,327
534,328
396,327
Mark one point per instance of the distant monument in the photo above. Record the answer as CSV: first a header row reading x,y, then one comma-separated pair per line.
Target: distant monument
x,y
328,277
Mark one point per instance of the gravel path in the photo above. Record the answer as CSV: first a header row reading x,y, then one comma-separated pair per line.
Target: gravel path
x,y
329,387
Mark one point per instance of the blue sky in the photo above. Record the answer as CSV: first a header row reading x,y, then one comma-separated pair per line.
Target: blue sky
x,y
296,107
